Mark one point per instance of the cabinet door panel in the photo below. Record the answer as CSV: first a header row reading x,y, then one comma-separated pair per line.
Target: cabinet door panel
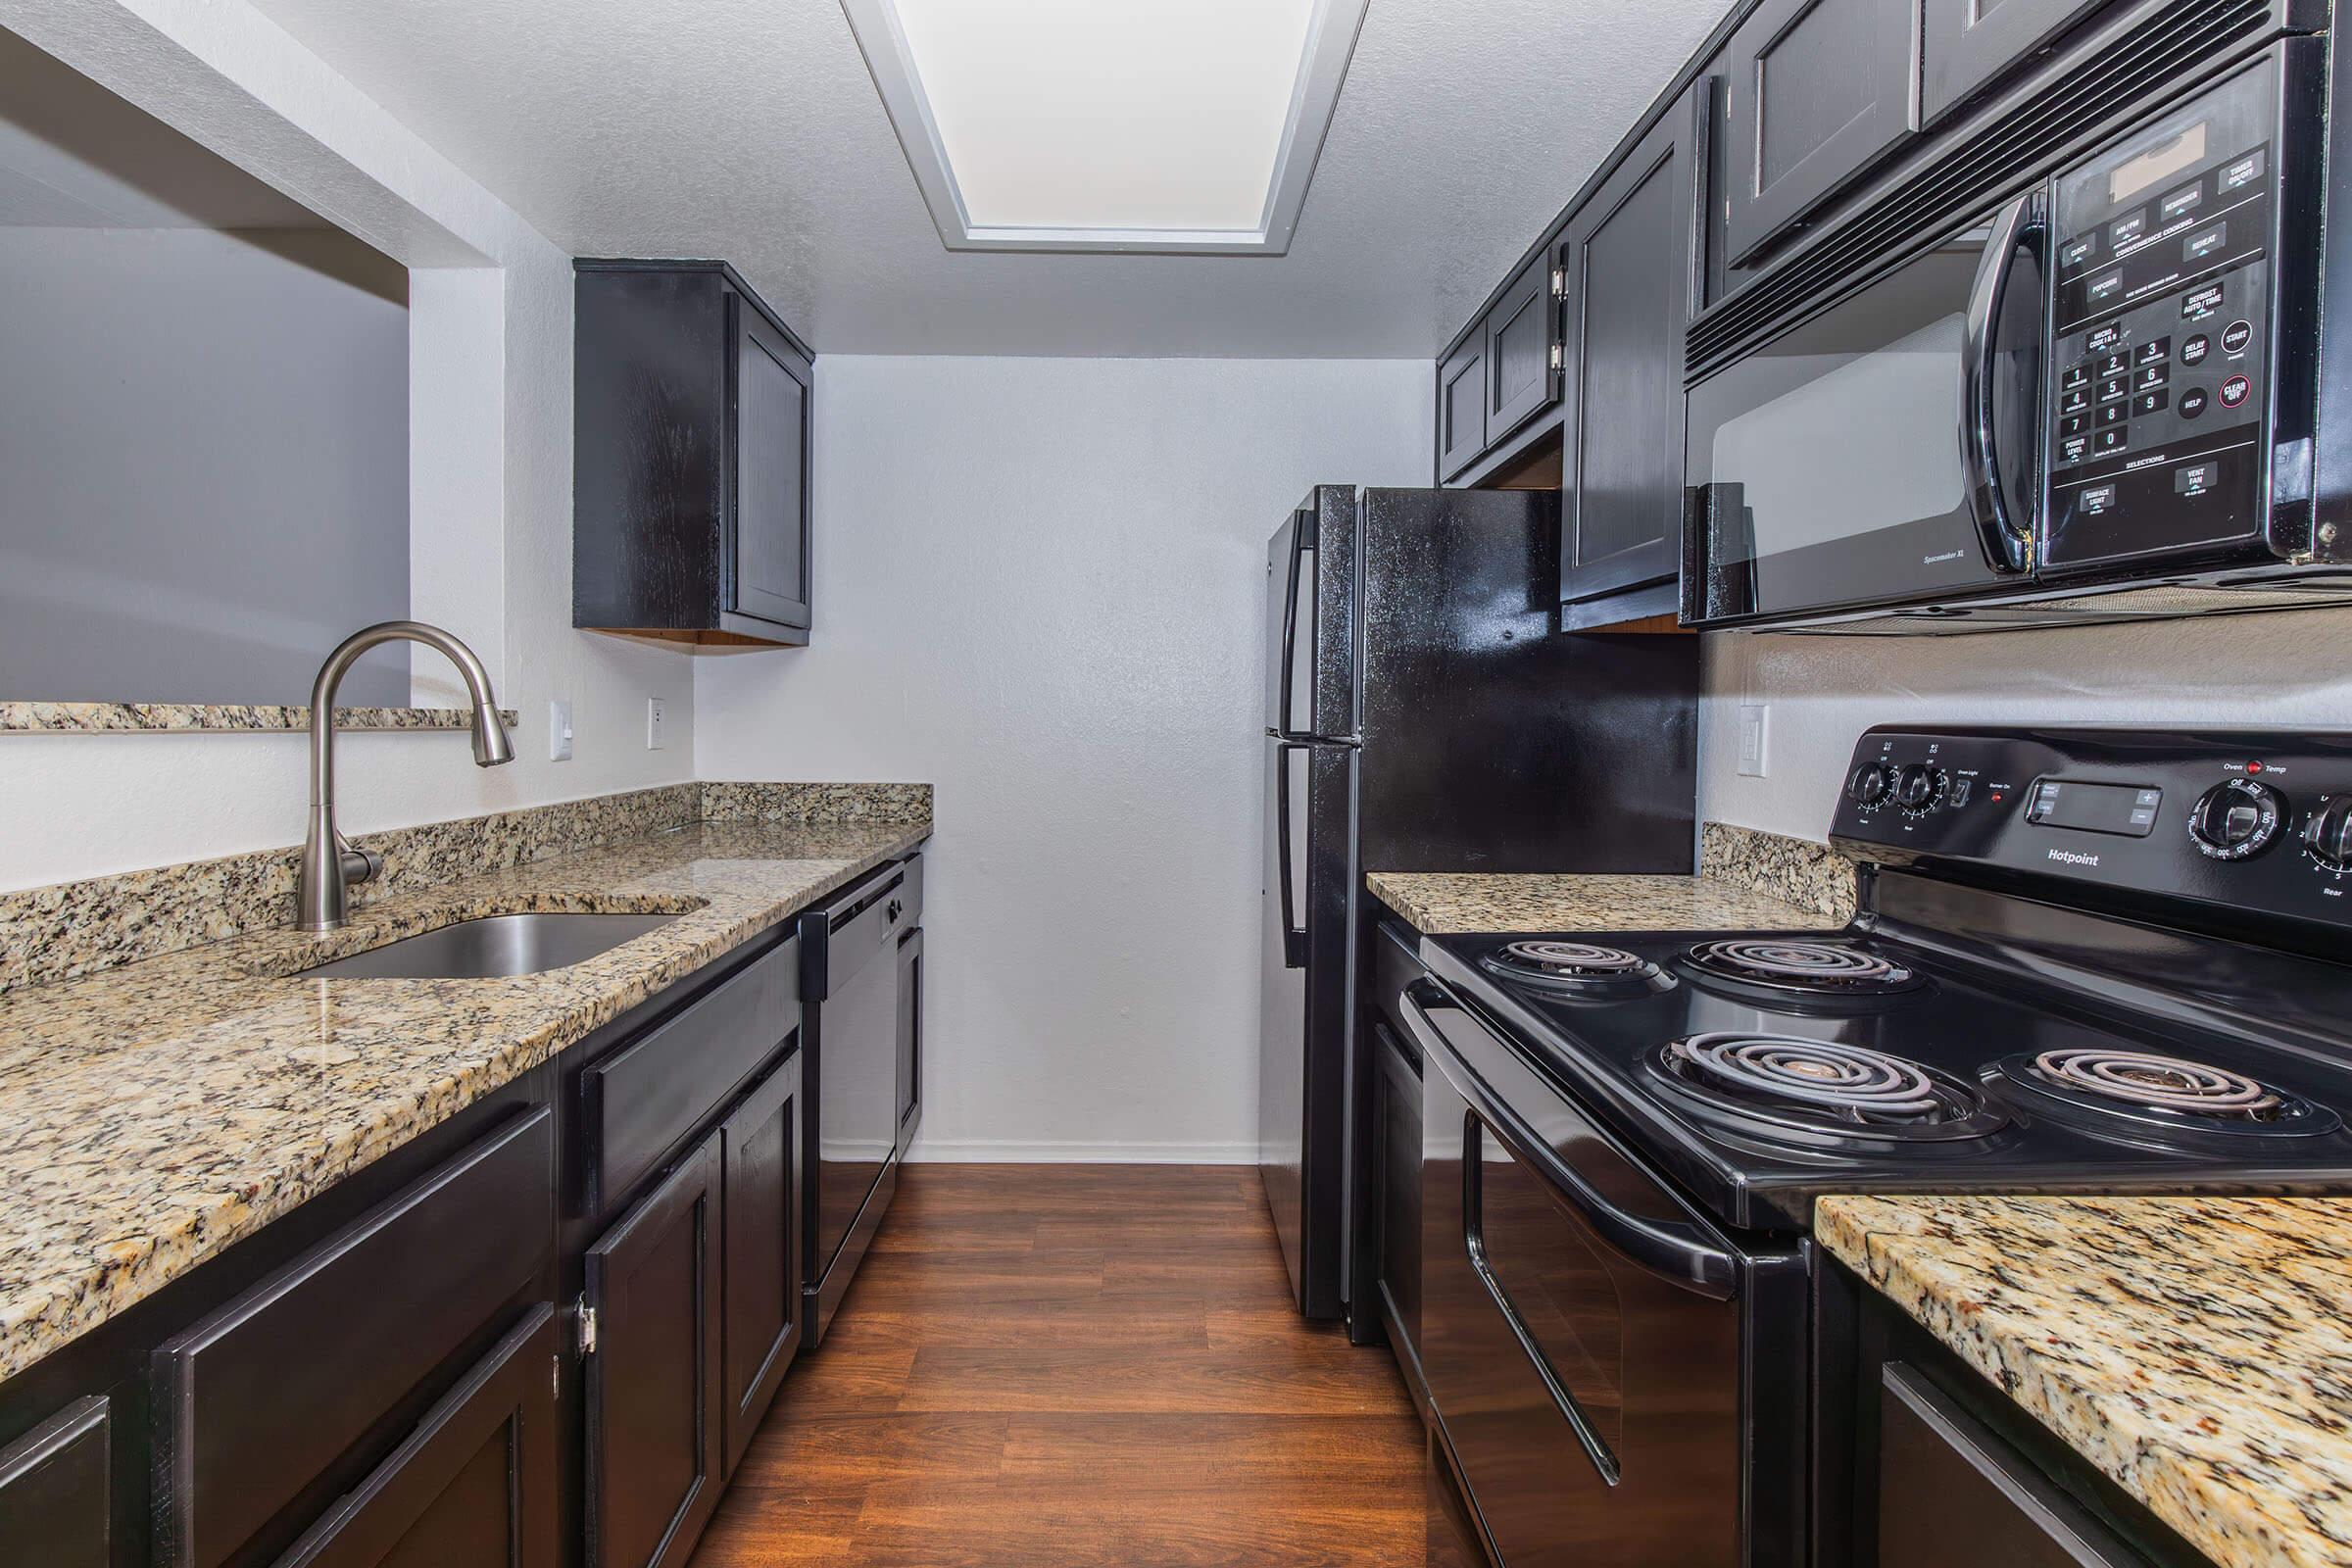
x,y
761,1331
1629,272
910,1036
1519,337
472,1486
53,1505
768,510
652,1387
1462,407
1967,44
1817,89
1396,1128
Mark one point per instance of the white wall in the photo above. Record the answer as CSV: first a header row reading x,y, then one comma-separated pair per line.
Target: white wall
x,y
2280,671
489,478
206,439
1039,586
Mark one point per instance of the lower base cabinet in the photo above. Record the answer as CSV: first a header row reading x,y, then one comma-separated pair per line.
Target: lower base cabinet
x,y
473,1486
759,1330
1397,1134
651,1334
54,1499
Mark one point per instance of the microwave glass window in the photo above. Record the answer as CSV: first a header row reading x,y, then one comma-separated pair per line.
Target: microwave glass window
x,y
2157,164
1841,449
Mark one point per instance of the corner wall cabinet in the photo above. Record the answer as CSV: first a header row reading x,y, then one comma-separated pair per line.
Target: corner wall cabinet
x,y
690,458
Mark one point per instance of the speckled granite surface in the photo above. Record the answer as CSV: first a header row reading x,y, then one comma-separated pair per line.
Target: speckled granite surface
x,y
1812,876
152,1115
1440,903
2195,1349
76,928
118,718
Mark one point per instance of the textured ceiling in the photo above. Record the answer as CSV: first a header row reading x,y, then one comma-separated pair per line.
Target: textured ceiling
x,y
749,129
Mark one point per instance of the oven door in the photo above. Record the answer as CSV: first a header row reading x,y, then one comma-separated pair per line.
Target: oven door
x,y
1885,451
1582,1328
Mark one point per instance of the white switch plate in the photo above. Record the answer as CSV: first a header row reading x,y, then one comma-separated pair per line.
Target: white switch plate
x,y
656,723
558,731
1752,739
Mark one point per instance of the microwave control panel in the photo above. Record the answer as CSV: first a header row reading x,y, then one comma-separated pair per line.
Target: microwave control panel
x,y
2160,332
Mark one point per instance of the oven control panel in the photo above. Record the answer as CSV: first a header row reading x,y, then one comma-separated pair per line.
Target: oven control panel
x,y
2260,820
2160,332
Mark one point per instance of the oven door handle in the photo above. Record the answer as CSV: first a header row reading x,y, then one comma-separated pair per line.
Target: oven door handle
x,y
2008,547
1681,1254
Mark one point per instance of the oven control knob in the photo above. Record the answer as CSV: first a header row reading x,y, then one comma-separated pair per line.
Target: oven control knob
x,y
2235,819
1918,787
1871,784
2329,834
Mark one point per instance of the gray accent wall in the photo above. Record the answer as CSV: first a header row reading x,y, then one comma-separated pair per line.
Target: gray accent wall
x,y
204,461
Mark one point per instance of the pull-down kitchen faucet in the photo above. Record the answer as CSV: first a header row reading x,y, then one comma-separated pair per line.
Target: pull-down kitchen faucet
x,y
329,866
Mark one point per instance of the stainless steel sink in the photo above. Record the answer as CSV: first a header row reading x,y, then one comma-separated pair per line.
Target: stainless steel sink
x,y
495,945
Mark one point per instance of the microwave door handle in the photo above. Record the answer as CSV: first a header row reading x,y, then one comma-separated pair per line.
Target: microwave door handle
x,y
1675,1253
2007,547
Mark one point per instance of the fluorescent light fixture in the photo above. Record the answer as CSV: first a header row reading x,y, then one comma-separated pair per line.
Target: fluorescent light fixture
x,y
1110,124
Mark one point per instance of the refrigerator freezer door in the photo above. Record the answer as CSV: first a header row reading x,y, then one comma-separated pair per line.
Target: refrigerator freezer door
x,y
1307,946
1310,619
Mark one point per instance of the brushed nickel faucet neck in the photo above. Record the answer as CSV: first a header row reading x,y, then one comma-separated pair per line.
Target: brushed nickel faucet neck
x,y
329,865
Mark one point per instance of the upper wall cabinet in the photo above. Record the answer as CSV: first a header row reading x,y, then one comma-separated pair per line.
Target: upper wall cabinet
x,y
1967,44
1630,284
1815,92
1523,350
690,458
1462,407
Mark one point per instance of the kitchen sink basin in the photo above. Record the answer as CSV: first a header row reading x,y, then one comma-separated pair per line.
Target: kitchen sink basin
x,y
495,945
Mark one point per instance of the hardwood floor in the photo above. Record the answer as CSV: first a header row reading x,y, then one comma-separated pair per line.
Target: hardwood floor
x,y
1061,1365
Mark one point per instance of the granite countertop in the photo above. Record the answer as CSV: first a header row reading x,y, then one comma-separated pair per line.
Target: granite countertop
x,y
2193,1349
152,1115
1444,902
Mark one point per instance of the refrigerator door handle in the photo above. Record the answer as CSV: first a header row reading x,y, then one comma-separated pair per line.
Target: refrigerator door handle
x,y
1302,541
1294,935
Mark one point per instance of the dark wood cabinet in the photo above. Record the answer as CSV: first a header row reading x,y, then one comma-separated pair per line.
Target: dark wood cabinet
x,y
759,1330
1815,92
1462,407
1966,45
690,460
1522,350
55,1505
473,1486
653,1392
910,1036
1627,258
257,1400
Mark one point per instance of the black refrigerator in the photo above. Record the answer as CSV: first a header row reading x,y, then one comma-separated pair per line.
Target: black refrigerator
x,y
1423,714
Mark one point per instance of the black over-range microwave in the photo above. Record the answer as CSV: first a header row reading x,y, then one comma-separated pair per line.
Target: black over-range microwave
x,y
2096,402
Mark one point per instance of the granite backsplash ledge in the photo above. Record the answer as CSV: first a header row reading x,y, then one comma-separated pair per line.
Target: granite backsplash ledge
x,y
76,928
1812,876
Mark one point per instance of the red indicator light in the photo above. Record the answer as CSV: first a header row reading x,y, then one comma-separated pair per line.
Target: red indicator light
x,y
2253,768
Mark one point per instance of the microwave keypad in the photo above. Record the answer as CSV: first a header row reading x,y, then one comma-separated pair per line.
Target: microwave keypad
x,y
2157,368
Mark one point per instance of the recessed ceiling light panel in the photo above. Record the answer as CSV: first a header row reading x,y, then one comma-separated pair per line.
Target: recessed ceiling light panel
x,y
1110,124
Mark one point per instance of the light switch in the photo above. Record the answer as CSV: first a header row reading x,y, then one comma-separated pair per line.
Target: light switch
x,y
656,723
1752,739
558,731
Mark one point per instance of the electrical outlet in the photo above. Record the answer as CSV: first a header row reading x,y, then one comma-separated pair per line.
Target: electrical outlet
x,y
656,723
558,731
1752,739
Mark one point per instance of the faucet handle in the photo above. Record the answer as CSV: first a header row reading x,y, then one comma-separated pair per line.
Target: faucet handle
x,y
359,865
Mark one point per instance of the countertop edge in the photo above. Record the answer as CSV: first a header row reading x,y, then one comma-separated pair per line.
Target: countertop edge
x,y
128,1269
2219,1520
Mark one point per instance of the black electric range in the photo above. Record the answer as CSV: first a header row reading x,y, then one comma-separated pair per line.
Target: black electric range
x,y
2084,960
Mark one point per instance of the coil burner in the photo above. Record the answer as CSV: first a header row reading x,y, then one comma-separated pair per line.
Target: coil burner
x,y
2173,1093
1577,968
1831,970
1809,1089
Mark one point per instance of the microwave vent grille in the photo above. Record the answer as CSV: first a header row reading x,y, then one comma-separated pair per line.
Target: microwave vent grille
x,y
1996,153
